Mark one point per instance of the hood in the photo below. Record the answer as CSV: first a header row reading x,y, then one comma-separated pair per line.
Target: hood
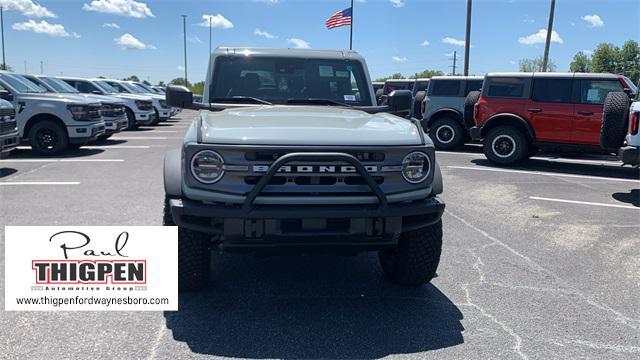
x,y
101,98
306,125
66,98
131,96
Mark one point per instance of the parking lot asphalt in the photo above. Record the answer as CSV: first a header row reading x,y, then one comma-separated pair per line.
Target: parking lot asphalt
x,y
540,261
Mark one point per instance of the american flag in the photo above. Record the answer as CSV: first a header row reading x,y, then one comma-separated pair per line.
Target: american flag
x,y
341,18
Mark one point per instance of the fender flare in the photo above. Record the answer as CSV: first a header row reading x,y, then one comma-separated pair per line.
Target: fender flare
x,y
436,184
173,173
519,119
458,115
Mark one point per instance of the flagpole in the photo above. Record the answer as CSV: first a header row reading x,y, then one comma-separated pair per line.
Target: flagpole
x,y
351,29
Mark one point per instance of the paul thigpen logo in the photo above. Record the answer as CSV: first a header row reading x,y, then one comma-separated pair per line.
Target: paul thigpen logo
x,y
96,266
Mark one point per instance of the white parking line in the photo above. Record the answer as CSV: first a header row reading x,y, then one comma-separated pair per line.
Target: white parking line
x,y
584,203
97,147
542,173
58,160
7,183
140,138
558,160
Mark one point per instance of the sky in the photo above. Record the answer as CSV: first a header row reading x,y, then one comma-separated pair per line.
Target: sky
x,y
119,38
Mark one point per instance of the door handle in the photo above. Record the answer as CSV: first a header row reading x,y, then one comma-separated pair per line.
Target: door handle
x,y
586,113
534,110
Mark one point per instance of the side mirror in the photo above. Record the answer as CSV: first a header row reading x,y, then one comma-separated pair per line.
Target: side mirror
x,y
399,102
6,95
179,96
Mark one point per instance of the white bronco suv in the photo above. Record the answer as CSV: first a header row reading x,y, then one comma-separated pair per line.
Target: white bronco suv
x,y
290,153
139,109
51,122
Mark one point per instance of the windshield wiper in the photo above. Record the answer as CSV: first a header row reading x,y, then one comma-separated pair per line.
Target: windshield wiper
x,y
244,99
316,101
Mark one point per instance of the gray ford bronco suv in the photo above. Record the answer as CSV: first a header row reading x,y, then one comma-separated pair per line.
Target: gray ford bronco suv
x,y
289,153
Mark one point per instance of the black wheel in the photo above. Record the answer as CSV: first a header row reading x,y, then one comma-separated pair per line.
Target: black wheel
x,y
469,103
104,137
417,104
157,119
415,261
615,120
131,120
447,133
75,146
48,138
506,145
194,255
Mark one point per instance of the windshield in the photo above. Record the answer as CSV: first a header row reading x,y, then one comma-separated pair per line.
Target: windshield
x,y
20,84
105,86
279,80
631,85
58,85
133,88
118,87
158,90
144,88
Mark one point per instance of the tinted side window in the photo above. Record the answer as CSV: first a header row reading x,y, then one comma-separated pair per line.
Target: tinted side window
x,y
506,87
85,87
445,88
473,85
595,91
552,90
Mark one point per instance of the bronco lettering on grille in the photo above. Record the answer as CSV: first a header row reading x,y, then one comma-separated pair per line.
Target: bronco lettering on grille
x,y
315,169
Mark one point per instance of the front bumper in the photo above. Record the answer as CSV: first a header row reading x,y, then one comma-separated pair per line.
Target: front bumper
x,y
144,117
164,114
82,134
114,125
630,155
356,227
9,141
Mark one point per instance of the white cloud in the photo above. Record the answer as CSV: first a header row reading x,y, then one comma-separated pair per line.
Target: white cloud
x,y
217,21
27,8
265,34
130,42
180,67
453,41
397,3
44,27
111,25
298,43
399,59
425,43
129,8
593,20
540,38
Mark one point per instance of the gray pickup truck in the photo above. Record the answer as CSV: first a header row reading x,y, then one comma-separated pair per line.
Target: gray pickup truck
x,y
290,153
9,135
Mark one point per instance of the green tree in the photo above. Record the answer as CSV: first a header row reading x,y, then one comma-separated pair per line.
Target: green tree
x,y
197,88
180,81
535,65
5,67
146,82
132,78
581,63
606,59
426,74
630,60
392,76
161,83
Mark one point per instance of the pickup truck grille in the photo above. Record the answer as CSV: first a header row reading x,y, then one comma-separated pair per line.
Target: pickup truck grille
x,y
7,120
94,112
144,105
7,112
112,110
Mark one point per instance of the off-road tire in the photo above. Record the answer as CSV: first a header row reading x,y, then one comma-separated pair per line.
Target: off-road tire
x,y
615,120
131,120
48,138
440,129
508,136
415,260
417,104
469,103
194,260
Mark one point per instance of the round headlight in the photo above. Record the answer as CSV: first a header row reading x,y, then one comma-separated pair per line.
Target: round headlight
x,y
415,167
206,166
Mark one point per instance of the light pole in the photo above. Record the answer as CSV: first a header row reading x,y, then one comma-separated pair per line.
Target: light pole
x,y
184,33
545,60
209,35
4,63
467,44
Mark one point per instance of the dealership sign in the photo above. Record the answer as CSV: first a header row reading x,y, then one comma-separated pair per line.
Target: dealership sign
x,y
91,268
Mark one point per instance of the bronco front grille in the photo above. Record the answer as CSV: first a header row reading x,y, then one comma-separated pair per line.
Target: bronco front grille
x,y
7,126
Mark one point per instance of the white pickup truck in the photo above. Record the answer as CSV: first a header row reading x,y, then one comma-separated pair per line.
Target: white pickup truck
x,y
162,111
158,93
112,109
51,122
139,109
